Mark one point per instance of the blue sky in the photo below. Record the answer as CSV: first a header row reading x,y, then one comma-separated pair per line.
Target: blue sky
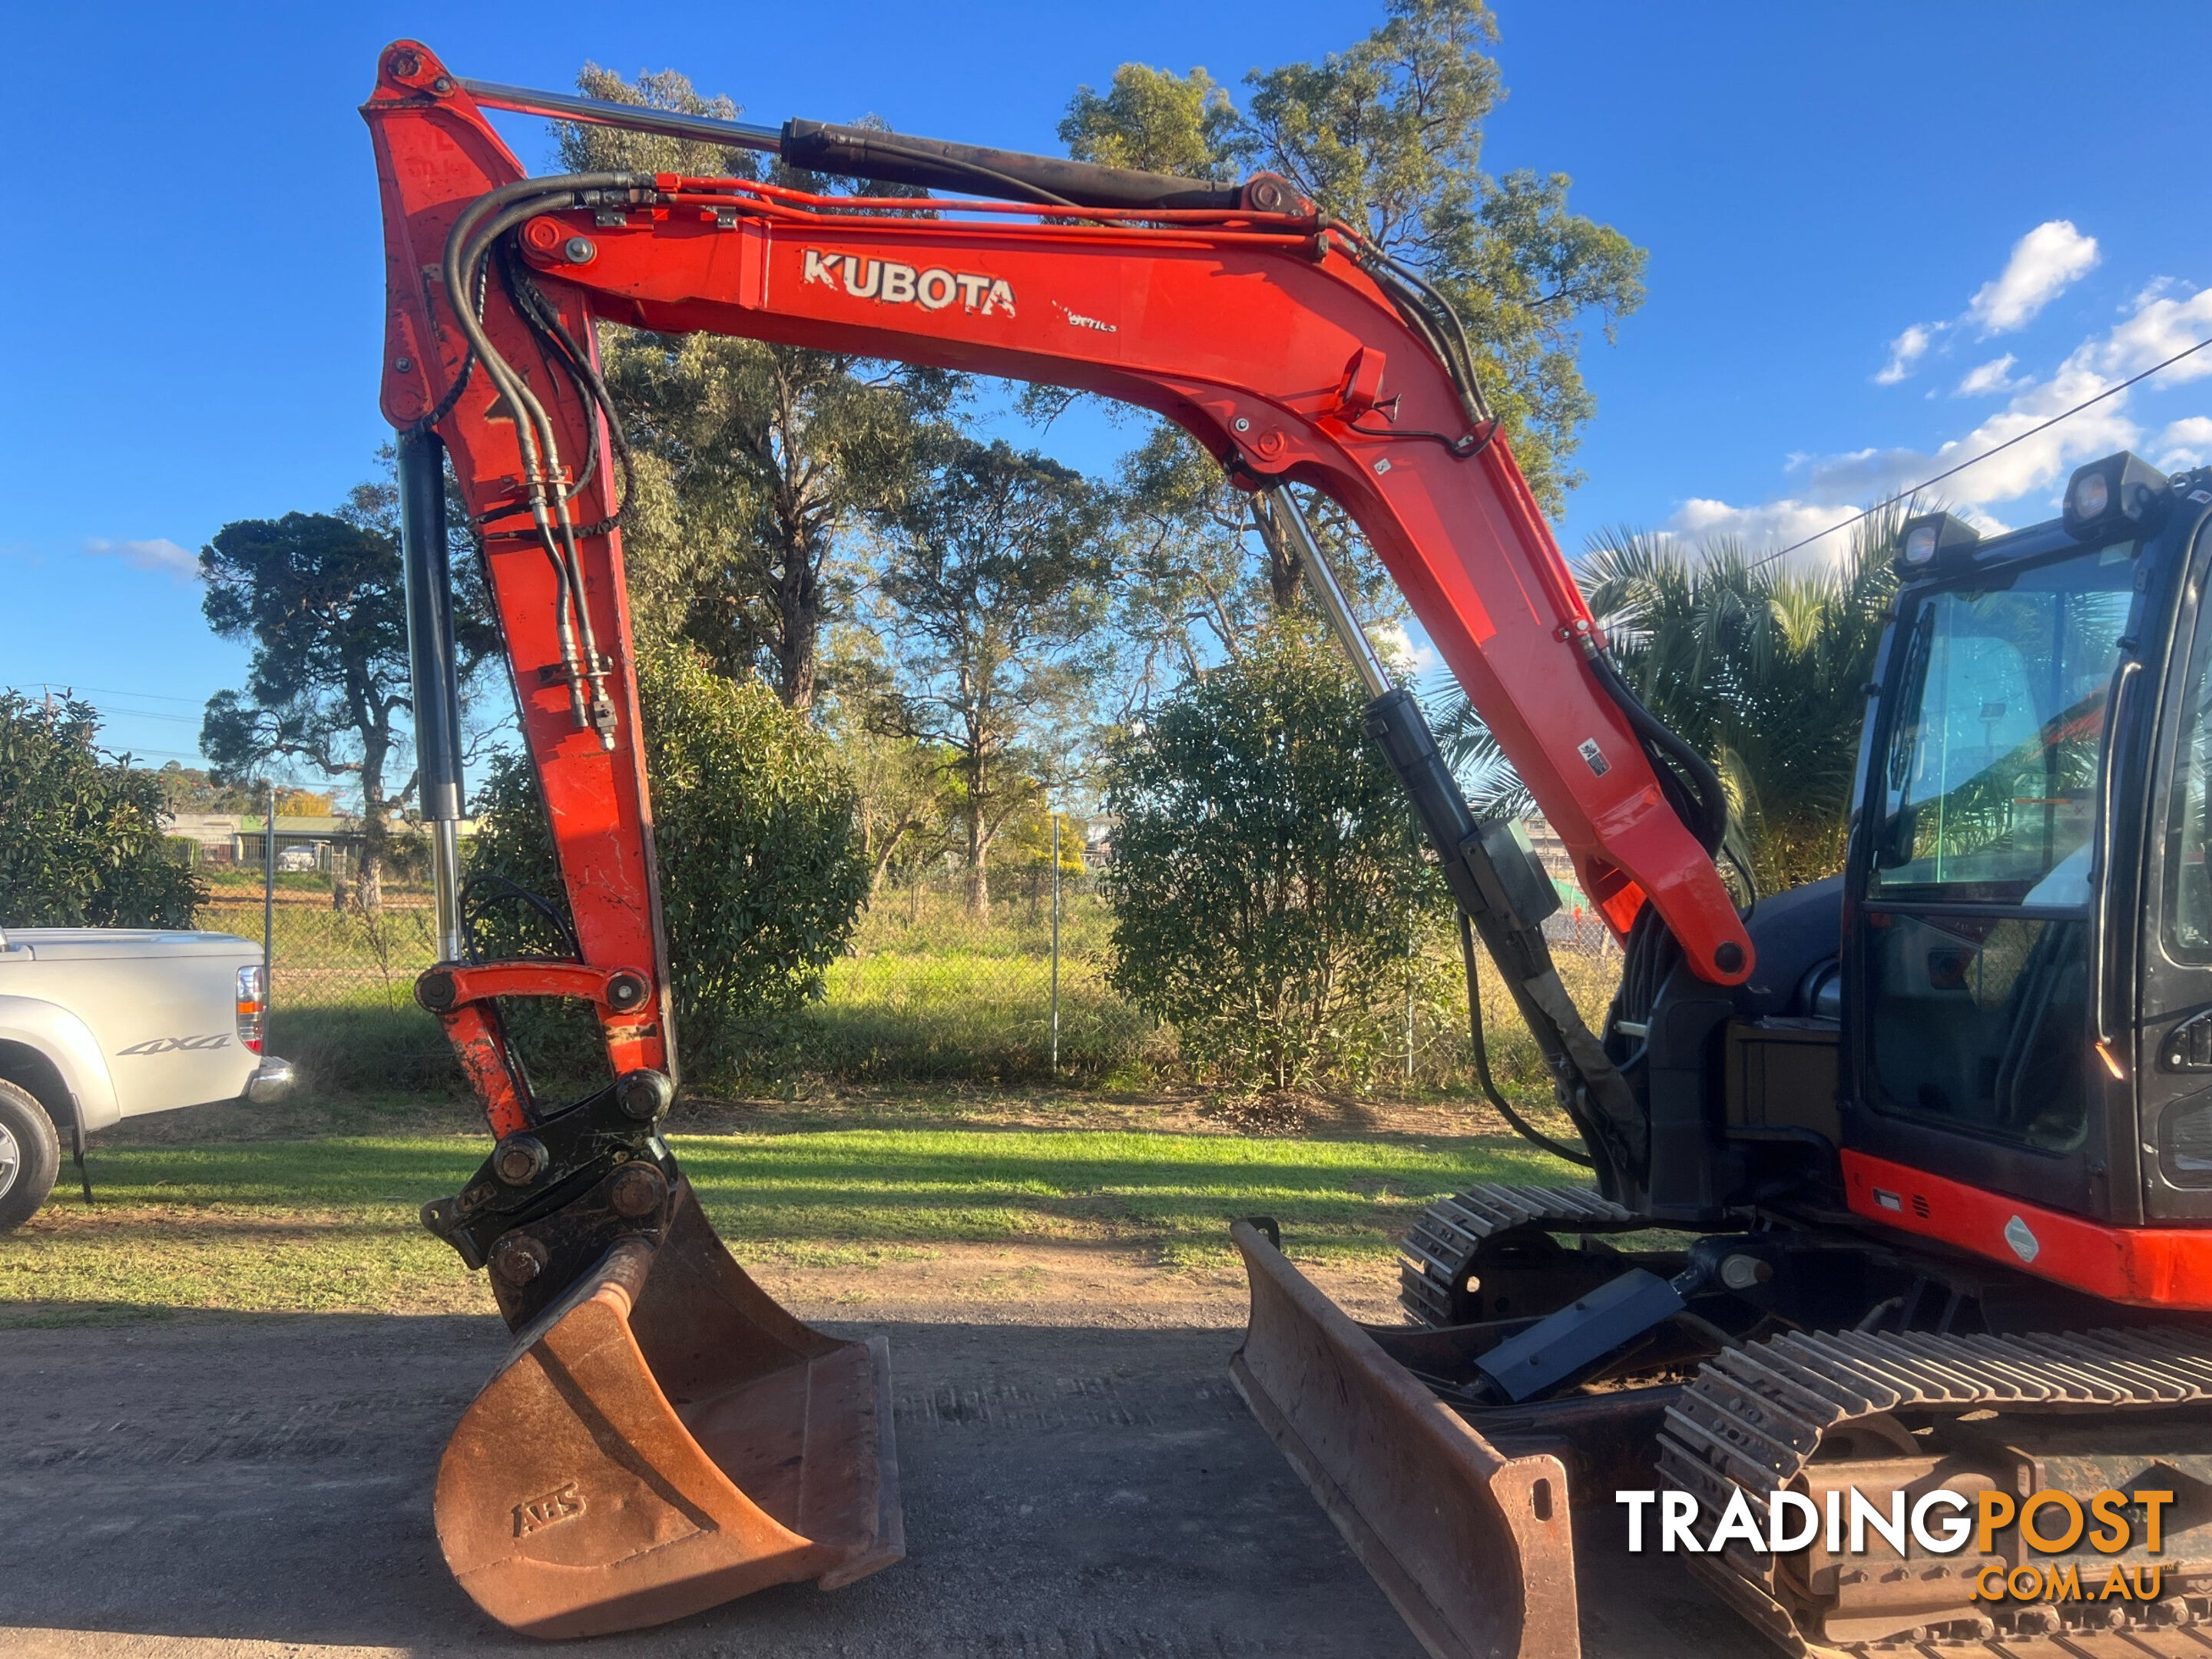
x,y
1881,237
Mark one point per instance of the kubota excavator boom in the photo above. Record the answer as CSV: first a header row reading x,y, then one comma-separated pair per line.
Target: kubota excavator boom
x,y
1916,1130
1292,350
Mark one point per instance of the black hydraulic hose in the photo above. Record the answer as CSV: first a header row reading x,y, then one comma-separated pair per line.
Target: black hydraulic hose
x,y
487,887
1457,351
1712,801
1522,1127
467,243
531,301
939,164
531,304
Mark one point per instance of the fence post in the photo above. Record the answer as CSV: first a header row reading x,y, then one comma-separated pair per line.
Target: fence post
x,y
268,914
1412,944
1055,947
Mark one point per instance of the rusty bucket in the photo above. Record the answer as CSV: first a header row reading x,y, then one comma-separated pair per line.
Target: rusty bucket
x,y
662,1439
1475,1549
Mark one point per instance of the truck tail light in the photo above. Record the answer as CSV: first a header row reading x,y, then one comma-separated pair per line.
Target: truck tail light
x,y
253,1008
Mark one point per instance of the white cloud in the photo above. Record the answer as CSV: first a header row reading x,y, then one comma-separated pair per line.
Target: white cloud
x,y
2033,463
1770,524
2044,263
1862,475
1827,489
2185,443
158,554
1402,651
1992,376
1907,350
2157,328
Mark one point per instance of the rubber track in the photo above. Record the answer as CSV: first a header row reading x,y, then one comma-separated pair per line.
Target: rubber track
x,y
1443,1239
1754,1417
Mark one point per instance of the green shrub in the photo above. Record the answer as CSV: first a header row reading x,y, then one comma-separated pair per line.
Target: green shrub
x,y
1266,874
761,873
80,839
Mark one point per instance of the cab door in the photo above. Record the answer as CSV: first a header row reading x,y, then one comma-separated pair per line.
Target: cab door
x,y
2173,980
1973,993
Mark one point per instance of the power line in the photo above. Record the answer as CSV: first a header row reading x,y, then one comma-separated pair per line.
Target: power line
x,y
136,752
108,711
112,691
1907,494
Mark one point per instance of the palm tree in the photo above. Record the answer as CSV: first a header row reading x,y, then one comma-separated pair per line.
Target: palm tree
x,y
1762,666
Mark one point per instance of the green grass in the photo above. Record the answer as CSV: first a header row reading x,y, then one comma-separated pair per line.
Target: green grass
x,y
930,992
329,1224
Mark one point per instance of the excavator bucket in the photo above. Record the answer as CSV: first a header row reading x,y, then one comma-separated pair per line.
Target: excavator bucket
x,y
1473,1548
665,1438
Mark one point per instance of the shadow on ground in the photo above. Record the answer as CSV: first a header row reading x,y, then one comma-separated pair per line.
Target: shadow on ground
x,y
204,1484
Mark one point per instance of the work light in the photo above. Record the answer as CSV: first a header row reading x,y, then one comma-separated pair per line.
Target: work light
x,y
2106,498
1932,538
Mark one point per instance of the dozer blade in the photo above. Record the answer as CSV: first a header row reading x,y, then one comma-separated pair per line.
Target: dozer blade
x,y
665,1438
1473,1548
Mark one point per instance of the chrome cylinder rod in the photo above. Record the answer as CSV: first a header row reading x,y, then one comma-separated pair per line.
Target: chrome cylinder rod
x,y
437,706
605,113
1330,594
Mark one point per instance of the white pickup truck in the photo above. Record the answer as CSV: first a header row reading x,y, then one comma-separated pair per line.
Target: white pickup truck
x,y
102,1024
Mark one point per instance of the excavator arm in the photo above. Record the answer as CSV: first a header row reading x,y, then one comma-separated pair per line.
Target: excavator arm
x,y
1277,340
1284,343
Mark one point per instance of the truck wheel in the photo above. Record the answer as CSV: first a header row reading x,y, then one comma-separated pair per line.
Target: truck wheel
x,y
30,1156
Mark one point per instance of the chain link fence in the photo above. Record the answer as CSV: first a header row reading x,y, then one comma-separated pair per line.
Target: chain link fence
x,y
932,987
935,987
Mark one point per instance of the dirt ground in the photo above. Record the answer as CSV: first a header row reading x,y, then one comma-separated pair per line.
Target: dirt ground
x,y
230,1486
1080,1480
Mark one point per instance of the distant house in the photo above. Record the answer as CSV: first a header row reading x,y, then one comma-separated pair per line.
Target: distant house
x,y
304,841
329,844
215,833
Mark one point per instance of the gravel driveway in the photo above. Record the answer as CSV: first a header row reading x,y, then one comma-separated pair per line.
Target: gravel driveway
x,y
227,1485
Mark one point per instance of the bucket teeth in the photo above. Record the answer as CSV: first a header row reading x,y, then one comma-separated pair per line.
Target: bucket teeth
x,y
664,1438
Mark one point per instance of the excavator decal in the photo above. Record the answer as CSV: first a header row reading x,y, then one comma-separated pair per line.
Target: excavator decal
x,y
893,284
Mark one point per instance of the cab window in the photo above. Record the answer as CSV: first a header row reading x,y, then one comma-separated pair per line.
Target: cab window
x,y
1989,789
1979,979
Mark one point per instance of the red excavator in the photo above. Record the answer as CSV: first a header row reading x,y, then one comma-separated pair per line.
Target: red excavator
x,y
1901,1182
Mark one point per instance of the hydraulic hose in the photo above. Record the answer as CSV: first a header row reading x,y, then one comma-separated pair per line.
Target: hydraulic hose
x,y
1707,817
1490,1092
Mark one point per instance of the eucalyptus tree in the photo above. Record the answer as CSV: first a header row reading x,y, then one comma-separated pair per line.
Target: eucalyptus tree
x,y
321,598
995,580
1386,136
754,461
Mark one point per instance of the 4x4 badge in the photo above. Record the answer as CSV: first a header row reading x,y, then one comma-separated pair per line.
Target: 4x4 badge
x,y
170,1045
